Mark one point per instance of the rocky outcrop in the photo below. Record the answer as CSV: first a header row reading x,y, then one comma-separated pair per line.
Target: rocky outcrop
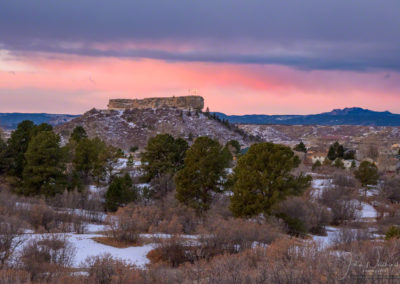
x,y
185,102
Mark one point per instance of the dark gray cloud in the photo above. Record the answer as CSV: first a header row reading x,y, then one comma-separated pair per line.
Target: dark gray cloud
x,y
311,34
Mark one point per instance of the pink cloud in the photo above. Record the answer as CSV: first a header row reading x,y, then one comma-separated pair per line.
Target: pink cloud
x,y
80,83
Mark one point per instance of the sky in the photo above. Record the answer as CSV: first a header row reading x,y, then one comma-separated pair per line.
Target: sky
x,y
243,57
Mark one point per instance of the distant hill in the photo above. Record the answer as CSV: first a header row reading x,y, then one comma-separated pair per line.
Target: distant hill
x,y
9,121
346,116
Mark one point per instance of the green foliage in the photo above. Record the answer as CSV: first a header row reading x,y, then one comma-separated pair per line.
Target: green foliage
x,y
17,146
393,233
41,127
129,163
163,154
300,147
353,164
294,225
349,155
43,173
3,148
78,134
338,164
263,178
92,159
367,173
233,147
317,164
120,192
202,175
337,150
133,149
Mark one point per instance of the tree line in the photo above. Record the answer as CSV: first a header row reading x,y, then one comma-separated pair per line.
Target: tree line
x,y
37,164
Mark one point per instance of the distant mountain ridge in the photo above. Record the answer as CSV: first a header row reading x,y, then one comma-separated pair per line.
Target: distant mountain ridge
x,y
346,116
9,121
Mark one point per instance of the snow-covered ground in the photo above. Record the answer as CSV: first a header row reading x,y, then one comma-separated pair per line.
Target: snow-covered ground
x,y
319,185
367,211
327,241
85,246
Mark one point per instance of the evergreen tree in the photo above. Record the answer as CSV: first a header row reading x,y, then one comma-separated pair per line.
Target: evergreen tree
x,y
300,147
17,146
367,173
41,127
338,163
317,164
163,154
202,175
263,178
233,147
92,159
133,149
43,173
120,192
78,134
332,153
3,148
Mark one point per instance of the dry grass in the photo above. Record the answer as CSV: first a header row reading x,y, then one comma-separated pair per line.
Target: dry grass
x,y
116,243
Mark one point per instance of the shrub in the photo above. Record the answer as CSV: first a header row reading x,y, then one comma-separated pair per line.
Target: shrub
x,y
219,236
346,236
10,238
316,165
341,201
393,233
46,256
303,216
105,269
120,192
171,251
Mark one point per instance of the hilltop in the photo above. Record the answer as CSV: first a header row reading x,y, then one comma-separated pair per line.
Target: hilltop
x,y
133,127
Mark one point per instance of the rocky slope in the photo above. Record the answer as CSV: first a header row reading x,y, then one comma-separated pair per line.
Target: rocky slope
x,y
133,127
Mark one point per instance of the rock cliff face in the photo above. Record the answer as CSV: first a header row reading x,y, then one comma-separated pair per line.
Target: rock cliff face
x,y
186,103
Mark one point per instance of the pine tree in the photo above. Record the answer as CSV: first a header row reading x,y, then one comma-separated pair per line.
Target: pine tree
x,y
163,154
338,163
202,175
78,134
92,159
3,148
43,173
367,173
120,192
316,165
263,178
300,147
17,146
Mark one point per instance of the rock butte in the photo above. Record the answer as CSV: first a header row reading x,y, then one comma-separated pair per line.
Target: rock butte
x,y
184,102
